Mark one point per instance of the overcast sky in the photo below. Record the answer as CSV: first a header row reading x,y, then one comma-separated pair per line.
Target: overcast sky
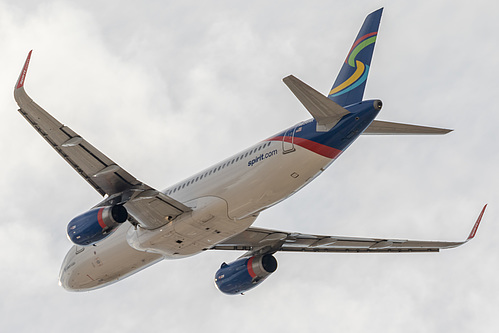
x,y
168,88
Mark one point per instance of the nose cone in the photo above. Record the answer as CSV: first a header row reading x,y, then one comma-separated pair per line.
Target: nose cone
x,y
365,112
66,269
369,109
73,274
73,278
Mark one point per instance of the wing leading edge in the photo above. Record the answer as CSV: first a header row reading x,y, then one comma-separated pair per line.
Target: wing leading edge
x,y
257,240
150,207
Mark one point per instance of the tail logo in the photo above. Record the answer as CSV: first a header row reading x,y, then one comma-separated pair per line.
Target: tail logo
x,y
361,69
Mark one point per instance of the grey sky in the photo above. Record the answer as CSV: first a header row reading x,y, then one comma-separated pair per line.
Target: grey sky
x,y
166,89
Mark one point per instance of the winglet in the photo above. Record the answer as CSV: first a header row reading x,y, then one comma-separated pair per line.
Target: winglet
x,y
22,76
477,223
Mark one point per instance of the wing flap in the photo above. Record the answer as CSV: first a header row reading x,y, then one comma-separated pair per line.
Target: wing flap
x,y
248,241
155,207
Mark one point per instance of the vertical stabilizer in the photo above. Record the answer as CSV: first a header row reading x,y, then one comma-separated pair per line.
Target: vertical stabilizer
x,y
351,81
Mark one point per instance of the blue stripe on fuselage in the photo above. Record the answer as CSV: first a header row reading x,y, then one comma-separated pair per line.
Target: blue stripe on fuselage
x,y
342,134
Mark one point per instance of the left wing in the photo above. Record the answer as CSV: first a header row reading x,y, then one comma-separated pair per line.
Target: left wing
x,y
150,207
257,240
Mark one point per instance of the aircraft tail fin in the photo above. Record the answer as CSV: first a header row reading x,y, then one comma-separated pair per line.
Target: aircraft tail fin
x,y
350,83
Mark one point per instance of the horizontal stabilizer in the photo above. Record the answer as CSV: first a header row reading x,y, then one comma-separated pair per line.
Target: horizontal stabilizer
x,y
388,128
326,112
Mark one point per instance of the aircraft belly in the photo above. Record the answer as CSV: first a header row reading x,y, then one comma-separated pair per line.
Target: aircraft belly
x,y
205,226
272,181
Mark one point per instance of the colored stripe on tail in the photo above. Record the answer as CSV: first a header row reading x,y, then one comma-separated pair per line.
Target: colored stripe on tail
x,y
351,81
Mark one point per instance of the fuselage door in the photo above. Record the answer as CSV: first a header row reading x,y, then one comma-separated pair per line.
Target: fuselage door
x,y
288,141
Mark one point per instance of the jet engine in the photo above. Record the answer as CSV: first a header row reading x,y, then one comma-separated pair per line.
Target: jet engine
x,y
96,224
244,274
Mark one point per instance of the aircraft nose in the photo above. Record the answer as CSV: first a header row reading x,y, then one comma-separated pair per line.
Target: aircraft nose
x,y
67,273
71,279
64,279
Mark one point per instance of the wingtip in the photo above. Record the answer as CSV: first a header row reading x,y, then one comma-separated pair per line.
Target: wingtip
x,y
477,223
287,78
22,76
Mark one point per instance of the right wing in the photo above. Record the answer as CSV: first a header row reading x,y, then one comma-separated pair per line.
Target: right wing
x,y
259,241
150,207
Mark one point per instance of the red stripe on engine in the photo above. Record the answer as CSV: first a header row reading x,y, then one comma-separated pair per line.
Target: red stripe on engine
x,y
100,220
250,267
315,147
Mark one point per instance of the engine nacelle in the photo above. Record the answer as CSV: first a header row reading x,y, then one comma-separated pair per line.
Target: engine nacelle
x,y
244,274
96,224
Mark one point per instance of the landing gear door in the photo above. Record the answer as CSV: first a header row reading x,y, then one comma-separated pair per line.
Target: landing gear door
x,y
288,141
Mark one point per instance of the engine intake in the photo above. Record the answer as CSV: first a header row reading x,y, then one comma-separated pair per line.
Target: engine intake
x,y
96,224
244,274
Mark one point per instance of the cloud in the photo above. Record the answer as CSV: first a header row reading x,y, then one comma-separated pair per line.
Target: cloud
x,y
168,89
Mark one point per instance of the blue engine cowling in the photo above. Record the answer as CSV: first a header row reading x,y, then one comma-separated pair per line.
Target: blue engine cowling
x,y
96,224
243,274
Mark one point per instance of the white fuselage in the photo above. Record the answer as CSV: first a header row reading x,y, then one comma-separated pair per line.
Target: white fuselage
x,y
225,200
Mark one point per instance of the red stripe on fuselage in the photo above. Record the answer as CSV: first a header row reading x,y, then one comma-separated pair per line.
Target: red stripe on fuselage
x,y
100,220
250,267
315,147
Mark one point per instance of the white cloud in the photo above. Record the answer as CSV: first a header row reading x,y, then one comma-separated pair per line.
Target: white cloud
x,y
135,79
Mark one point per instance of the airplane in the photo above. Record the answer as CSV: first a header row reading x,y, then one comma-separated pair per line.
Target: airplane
x,y
136,225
